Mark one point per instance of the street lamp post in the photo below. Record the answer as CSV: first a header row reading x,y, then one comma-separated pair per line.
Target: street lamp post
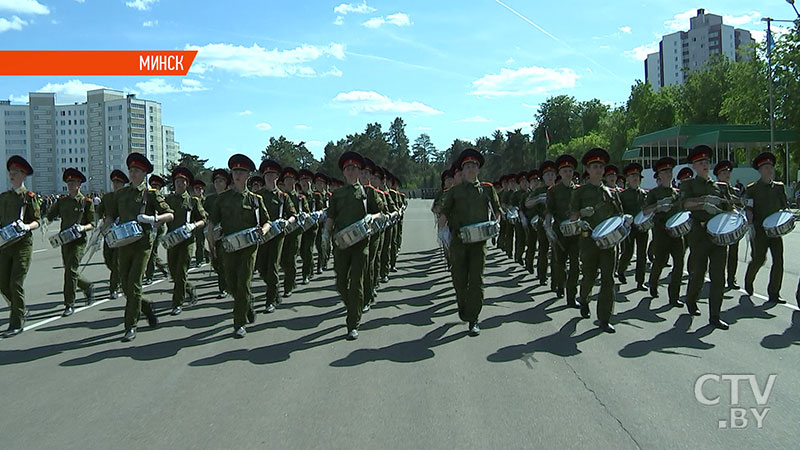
x,y
791,2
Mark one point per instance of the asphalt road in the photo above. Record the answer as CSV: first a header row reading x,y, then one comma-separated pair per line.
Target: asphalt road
x,y
537,377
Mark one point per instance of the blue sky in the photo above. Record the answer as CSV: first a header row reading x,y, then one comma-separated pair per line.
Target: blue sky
x,y
318,70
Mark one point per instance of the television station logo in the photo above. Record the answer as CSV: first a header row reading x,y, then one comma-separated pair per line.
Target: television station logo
x,y
747,398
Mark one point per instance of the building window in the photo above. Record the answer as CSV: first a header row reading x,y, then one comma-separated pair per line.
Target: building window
x,y
151,110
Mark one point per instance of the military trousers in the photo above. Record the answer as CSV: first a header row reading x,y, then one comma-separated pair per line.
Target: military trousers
x,y
376,263
349,265
369,268
307,251
543,258
15,259
132,263
520,241
567,251
154,261
398,240
178,258
322,255
704,256
71,254
218,263
531,241
238,275
733,262
468,261
200,253
110,258
385,263
267,262
663,247
759,253
593,259
289,260
638,239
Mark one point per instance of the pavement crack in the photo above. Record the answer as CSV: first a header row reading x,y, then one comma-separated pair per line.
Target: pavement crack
x,y
608,411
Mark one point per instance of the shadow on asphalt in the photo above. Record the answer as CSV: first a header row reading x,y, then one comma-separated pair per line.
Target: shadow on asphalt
x,y
790,336
561,343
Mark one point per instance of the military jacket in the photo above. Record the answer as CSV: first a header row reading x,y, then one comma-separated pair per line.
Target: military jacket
x,y
603,199
72,210
181,204
632,200
346,205
127,203
699,187
558,201
767,198
236,211
274,199
469,203
659,193
12,201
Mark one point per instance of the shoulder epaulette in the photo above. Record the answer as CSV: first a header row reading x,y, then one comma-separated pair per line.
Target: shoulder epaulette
x,y
778,183
88,200
152,190
485,183
751,184
258,195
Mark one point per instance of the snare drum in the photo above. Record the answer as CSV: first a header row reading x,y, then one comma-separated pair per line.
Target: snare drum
x,y
65,237
9,234
175,237
679,225
479,232
216,233
512,215
535,222
274,231
779,223
644,222
123,234
291,227
570,227
351,234
726,228
241,239
307,222
610,232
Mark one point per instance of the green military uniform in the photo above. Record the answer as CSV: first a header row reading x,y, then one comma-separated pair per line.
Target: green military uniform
x,y
321,199
566,248
468,203
126,205
508,240
187,210
606,204
542,243
398,239
15,257
308,238
372,267
154,260
269,254
388,235
665,245
217,261
237,211
767,198
346,207
291,244
110,255
732,263
77,210
531,234
633,201
520,230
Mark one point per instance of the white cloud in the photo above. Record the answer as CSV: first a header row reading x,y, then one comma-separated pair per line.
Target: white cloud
x,y
528,105
334,72
748,17
526,127
150,23
373,102
680,21
424,128
256,61
68,92
640,53
399,19
532,80
625,29
14,24
358,8
302,127
246,112
160,86
23,7
473,119
339,20
264,126
141,5
509,60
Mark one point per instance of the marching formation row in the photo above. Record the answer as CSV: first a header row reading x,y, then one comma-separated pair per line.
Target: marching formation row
x,y
562,230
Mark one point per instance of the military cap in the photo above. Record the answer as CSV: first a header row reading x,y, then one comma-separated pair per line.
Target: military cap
x,y
378,172
349,158
632,168
136,159
566,161
685,173
469,154
611,168
221,173
20,163
289,172
241,162
198,182
255,179
534,174
182,172
763,158
73,173
118,175
723,165
621,178
321,176
547,165
270,165
156,182
699,153
305,173
594,155
665,163
522,176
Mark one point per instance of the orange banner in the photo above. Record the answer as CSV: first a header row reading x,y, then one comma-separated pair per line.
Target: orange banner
x,y
96,62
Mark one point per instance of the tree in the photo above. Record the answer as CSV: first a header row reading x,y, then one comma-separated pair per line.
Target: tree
x,y
289,154
747,98
195,164
590,114
423,150
399,157
702,93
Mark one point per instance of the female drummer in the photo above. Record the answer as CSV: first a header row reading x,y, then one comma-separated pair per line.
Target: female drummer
x,y
19,206
595,203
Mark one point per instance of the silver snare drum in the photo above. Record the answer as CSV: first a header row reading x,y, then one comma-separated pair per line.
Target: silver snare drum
x,y
479,232
534,222
570,227
644,222
351,234
240,239
726,228
65,237
123,234
275,230
512,215
10,233
610,232
175,237
679,225
779,223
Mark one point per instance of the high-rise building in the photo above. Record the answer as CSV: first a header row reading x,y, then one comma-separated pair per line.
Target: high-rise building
x,y
683,52
95,136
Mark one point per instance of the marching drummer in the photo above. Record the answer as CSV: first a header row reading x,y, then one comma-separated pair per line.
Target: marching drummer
x,y
610,175
75,210
110,255
386,247
520,228
306,177
321,196
189,212
146,206
538,197
466,204
723,173
200,253
566,248
291,242
157,183
221,179
664,202
239,209
705,199
593,203
255,183
375,241
633,200
531,235
764,197
684,174
348,205
20,206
